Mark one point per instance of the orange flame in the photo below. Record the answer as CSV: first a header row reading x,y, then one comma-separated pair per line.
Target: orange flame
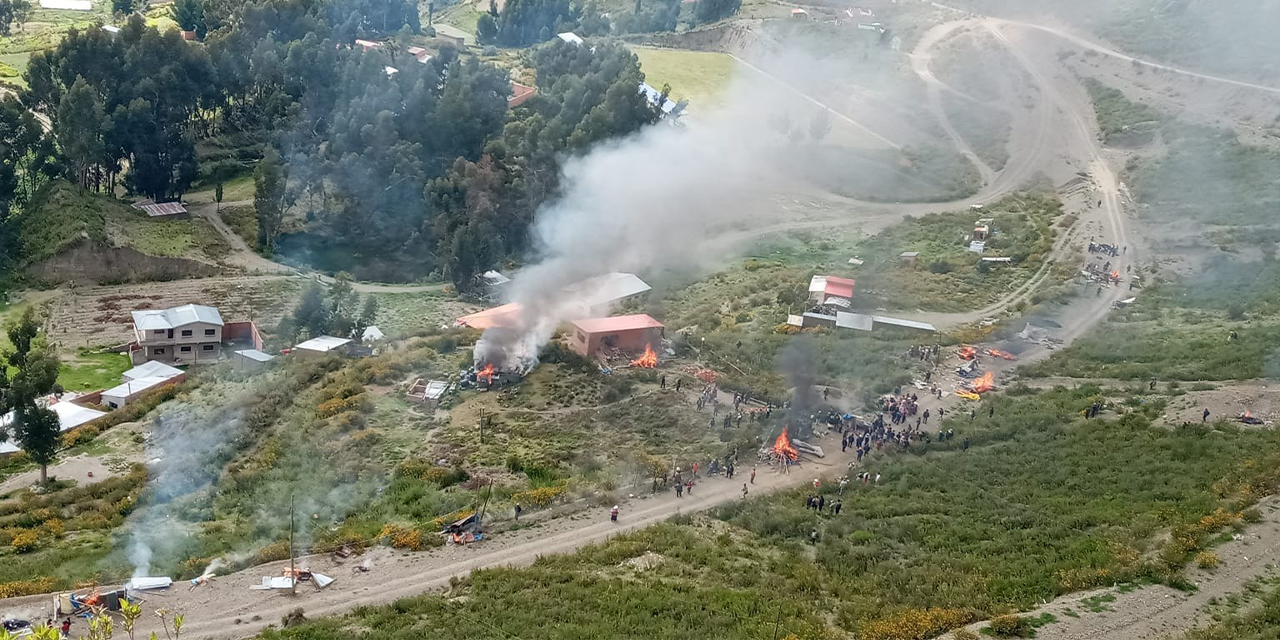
x,y
648,361
486,374
782,447
968,353
985,383
1115,275
1001,354
1248,413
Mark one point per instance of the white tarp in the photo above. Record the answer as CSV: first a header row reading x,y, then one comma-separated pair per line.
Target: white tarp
x,y
268,582
322,580
144,584
67,5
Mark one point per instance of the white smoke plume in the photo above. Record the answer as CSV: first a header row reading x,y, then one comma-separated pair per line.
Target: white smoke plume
x,y
651,199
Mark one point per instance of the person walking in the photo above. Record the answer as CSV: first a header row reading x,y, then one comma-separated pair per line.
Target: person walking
x,y
753,475
66,628
663,381
520,509
744,491
613,514
679,489
991,411
1204,417
678,385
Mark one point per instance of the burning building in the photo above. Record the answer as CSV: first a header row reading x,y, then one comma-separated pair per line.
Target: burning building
x,y
630,334
515,332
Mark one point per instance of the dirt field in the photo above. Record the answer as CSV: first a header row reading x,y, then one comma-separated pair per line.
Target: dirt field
x,y
100,316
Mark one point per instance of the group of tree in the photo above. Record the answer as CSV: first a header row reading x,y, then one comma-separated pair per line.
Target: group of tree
x,y
35,428
13,12
396,165
27,160
525,22
338,312
137,98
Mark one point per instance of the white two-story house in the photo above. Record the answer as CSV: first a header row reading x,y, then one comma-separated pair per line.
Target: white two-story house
x,y
190,334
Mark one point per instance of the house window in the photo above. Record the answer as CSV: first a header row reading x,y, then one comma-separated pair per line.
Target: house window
x,y
581,337
186,349
186,333
159,332
209,332
113,405
208,347
159,351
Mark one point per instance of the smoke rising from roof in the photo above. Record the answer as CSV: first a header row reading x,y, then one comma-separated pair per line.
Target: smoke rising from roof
x,y
651,199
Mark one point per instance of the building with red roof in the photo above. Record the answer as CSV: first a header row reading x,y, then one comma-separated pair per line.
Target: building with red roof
x,y
831,290
625,333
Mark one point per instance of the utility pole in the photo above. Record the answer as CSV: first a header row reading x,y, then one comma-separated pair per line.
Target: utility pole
x,y
293,574
482,425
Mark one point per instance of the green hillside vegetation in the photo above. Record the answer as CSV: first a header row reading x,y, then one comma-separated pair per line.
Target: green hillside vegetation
x,y
1179,327
61,216
947,276
1044,504
1117,115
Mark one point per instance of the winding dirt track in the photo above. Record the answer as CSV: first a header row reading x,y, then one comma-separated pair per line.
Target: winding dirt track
x,y
227,608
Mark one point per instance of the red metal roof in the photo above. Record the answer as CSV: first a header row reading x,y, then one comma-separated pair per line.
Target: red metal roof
x,y
520,94
495,317
617,323
839,287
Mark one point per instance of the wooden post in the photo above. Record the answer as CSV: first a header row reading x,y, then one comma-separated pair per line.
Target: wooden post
x,y
293,575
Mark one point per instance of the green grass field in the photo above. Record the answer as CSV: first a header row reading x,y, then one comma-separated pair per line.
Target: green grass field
x,y
88,371
701,77
243,220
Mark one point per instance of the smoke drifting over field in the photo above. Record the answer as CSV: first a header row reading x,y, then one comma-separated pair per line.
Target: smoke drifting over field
x,y
189,444
651,199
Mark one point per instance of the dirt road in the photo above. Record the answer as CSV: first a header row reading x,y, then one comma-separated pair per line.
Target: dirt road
x,y
244,257
227,608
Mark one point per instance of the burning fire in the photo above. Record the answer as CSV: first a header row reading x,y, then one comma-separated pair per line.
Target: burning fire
x,y
485,375
985,383
968,353
1115,275
649,360
1248,413
1001,354
782,447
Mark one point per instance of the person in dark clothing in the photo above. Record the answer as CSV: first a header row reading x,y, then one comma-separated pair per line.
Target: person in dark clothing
x,y
662,382
972,415
991,412
1204,417
822,502
520,509
965,445
678,384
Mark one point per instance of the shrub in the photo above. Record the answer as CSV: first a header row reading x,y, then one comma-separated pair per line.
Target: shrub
x,y
540,497
19,588
1207,560
25,541
964,634
1010,626
915,624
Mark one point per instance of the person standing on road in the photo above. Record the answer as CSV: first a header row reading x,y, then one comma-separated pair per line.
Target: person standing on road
x,y
613,513
1204,417
744,491
519,508
753,475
